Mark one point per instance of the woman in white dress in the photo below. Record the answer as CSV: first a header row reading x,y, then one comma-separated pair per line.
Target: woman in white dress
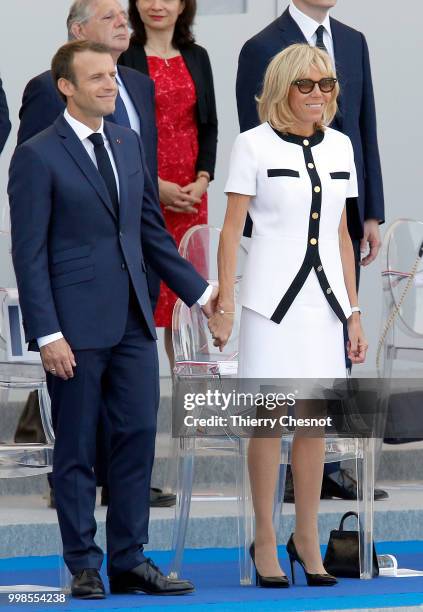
x,y
294,176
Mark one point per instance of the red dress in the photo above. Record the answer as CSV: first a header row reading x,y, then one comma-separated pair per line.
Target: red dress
x,y
176,101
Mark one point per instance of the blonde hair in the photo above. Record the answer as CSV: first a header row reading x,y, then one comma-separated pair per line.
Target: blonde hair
x,y
292,64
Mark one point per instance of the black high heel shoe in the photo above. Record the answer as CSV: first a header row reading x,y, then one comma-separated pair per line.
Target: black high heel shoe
x,y
269,582
312,579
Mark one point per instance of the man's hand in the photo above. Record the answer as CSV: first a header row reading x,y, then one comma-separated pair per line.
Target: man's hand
x,y
371,240
210,308
58,359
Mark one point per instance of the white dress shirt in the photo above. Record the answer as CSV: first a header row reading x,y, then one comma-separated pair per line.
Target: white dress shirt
x,y
83,131
308,27
134,119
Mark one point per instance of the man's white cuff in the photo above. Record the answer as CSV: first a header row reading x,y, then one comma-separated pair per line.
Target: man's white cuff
x,y
50,338
203,299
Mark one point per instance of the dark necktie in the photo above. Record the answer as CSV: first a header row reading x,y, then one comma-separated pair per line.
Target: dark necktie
x,y
105,168
319,40
120,115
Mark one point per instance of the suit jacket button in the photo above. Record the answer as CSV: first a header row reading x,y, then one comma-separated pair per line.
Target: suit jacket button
x,y
123,266
313,241
315,215
320,268
306,142
328,290
120,234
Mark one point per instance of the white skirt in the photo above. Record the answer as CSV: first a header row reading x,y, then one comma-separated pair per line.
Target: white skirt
x,y
307,343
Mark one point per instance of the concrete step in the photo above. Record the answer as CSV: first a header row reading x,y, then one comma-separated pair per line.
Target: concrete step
x,y
28,527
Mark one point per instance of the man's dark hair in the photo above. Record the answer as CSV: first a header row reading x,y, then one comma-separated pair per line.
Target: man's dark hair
x,y
182,37
62,63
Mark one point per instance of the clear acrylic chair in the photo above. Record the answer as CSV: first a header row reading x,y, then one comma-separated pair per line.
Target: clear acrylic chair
x,y
22,373
401,334
402,276
198,364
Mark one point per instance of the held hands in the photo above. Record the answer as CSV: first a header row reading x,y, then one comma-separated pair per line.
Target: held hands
x,y
210,308
58,359
181,199
220,326
357,344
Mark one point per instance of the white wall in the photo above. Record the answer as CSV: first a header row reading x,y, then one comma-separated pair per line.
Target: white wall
x,y
396,48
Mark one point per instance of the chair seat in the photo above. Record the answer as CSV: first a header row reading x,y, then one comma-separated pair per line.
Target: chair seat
x,y
21,373
21,460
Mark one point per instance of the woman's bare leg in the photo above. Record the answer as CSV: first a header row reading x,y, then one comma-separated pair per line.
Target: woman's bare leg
x,y
263,465
307,470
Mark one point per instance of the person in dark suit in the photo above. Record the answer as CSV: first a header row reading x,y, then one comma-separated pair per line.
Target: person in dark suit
x,y
163,47
81,275
103,21
309,21
5,125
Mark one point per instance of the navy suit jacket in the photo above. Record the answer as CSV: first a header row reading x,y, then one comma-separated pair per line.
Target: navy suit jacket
x,y
73,258
5,125
41,105
357,115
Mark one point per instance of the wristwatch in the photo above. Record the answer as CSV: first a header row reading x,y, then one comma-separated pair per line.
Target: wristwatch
x,y
356,309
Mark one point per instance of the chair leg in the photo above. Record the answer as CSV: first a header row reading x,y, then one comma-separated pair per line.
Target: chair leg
x,y
185,473
280,487
366,503
245,514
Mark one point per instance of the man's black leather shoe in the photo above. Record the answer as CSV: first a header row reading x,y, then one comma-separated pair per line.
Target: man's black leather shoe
x,y
147,578
343,485
158,499
87,584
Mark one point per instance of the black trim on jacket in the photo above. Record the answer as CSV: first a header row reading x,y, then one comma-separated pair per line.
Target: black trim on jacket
x,y
312,257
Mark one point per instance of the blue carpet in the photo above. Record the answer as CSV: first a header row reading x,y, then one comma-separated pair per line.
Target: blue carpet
x,y
215,574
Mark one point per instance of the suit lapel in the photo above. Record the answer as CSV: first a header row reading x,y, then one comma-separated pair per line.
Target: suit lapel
x,y
116,142
78,153
292,33
344,63
137,100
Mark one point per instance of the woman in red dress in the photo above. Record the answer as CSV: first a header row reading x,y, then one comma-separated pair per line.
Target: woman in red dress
x,y
162,46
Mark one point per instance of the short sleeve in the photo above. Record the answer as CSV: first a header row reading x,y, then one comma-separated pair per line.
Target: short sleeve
x,y
242,169
352,190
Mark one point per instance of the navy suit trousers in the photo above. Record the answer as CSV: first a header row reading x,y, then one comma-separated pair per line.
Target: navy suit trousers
x,y
124,381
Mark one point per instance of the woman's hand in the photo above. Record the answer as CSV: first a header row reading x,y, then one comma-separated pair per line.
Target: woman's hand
x,y
357,344
174,198
198,188
220,326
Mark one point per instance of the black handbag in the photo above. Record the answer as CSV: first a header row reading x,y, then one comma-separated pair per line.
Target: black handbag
x,y
342,556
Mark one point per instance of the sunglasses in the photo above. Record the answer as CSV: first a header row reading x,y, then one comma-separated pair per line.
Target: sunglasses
x,y
306,86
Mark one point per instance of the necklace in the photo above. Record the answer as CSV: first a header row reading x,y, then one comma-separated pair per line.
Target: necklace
x,y
162,56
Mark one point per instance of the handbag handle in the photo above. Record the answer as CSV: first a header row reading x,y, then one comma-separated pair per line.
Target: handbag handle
x,y
346,515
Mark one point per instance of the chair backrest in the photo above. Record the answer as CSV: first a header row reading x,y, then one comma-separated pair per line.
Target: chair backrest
x,y
12,337
402,250
192,341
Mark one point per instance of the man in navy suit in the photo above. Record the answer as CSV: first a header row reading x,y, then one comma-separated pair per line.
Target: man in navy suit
x,y
308,21
103,21
84,298
5,125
